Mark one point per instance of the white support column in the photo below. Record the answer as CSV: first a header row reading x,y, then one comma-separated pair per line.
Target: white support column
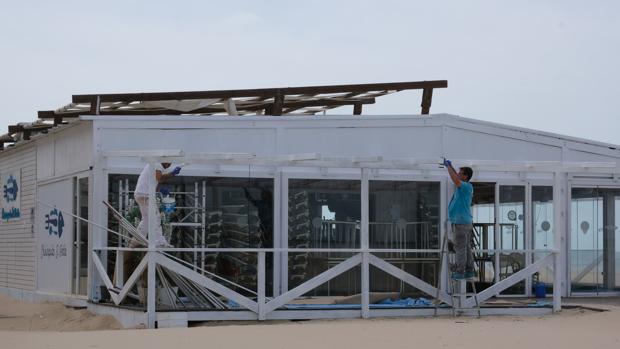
x,y
496,236
364,241
566,201
98,237
529,234
442,278
609,236
119,270
557,243
152,222
557,280
261,285
284,235
277,232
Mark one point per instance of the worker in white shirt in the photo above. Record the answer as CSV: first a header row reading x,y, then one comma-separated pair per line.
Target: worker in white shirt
x,y
149,178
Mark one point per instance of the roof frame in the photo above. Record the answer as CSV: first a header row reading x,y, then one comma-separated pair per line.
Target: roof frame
x,y
303,100
263,101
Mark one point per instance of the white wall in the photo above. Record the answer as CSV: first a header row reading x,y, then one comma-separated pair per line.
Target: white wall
x,y
388,136
65,151
54,232
17,241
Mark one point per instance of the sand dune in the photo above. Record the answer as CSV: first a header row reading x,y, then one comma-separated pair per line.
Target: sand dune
x,y
23,316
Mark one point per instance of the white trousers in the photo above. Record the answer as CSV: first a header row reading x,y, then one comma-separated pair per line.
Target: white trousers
x,y
143,203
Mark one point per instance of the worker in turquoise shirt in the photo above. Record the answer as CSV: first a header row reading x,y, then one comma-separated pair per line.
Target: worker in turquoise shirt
x,y
459,214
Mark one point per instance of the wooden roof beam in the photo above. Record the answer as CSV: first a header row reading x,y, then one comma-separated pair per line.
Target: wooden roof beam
x,y
427,98
287,107
291,107
95,99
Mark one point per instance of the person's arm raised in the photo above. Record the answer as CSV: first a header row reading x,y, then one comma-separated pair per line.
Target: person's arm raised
x,y
452,172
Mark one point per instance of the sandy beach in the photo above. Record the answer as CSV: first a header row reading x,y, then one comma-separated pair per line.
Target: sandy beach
x,y
25,325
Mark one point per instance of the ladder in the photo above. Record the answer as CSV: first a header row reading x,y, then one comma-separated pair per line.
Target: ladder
x,y
458,288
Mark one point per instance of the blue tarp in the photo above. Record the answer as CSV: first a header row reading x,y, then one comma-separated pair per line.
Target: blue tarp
x,y
385,304
408,302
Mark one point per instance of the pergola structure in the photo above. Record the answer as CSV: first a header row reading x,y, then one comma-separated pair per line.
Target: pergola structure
x,y
303,100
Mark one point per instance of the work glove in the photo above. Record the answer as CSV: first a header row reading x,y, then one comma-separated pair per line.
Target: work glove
x,y
164,191
176,170
447,162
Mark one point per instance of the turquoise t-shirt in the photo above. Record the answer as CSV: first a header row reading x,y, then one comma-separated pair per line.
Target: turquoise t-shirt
x,y
459,210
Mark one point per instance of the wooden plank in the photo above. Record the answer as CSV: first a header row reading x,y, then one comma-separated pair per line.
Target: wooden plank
x,y
278,102
263,92
50,114
95,105
427,98
357,109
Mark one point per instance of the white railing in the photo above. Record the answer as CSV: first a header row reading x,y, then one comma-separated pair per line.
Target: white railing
x,y
262,306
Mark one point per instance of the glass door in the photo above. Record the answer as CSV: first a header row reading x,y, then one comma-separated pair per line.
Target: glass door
x,y
483,212
80,236
511,218
594,245
543,236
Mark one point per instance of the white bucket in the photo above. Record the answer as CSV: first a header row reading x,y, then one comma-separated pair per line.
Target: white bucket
x,y
168,204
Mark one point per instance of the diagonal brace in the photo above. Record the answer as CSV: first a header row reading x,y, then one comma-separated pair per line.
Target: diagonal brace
x,y
204,281
313,283
409,279
118,298
511,280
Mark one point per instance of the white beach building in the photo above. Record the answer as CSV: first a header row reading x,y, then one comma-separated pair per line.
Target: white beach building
x,y
284,213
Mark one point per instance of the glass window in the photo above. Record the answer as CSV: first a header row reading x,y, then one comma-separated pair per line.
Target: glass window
x,y
542,217
80,236
214,212
483,212
323,213
586,252
543,232
512,236
511,208
404,215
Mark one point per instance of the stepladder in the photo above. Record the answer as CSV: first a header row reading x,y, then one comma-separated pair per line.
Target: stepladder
x,y
457,287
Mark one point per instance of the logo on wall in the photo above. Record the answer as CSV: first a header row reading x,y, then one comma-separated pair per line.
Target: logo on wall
x,y
10,202
54,223
10,189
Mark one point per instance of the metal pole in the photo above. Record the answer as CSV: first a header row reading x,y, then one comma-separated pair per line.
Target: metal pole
x,y
557,244
261,285
364,242
118,268
497,235
529,234
203,221
152,223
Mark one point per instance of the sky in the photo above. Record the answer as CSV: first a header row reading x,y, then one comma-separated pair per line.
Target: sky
x,y
547,65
